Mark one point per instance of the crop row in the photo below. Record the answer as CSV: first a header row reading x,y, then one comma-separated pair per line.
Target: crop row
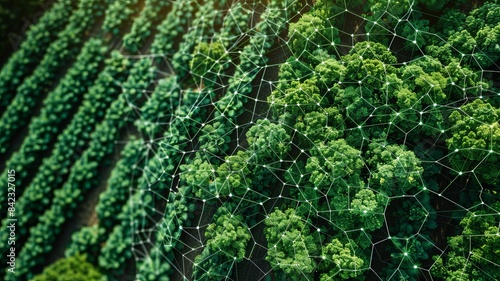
x,y
61,51
164,99
117,14
177,113
85,173
159,108
144,23
179,208
171,28
179,205
58,107
207,19
54,169
252,60
124,176
31,51
183,125
121,184
156,179
214,142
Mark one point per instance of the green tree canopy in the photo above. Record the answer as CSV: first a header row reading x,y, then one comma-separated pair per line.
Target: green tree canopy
x,y
473,255
340,262
310,33
290,247
395,170
233,175
209,59
475,140
229,235
267,140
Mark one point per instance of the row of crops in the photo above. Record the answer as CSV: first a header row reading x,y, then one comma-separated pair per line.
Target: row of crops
x,y
108,106
252,140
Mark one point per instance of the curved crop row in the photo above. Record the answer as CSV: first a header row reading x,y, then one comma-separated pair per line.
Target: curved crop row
x,y
215,137
84,174
179,212
59,106
31,51
158,110
174,25
179,207
54,169
144,23
158,171
157,176
205,22
62,51
117,14
234,25
122,180
252,60
120,184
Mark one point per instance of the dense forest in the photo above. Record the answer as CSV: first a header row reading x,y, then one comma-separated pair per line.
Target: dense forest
x,y
250,140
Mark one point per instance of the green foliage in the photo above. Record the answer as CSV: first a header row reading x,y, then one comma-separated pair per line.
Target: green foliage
x,y
211,267
58,106
474,253
370,208
121,181
74,268
229,235
319,126
54,169
116,251
235,25
177,214
61,51
272,22
408,253
305,36
267,140
172,27
330,72
143,24
340,261
475,140
384,16
355,148
85,174
472,38
154,267
372,51
205,21
290,247
233,176
87,242
299,98
395,170
199,174
159,108
208,61
118,13
334,163
31,51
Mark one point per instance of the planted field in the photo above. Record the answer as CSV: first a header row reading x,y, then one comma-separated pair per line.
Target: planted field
x,y
252,140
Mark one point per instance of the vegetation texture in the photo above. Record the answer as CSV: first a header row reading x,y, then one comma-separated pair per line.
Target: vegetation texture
x,y
250,140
